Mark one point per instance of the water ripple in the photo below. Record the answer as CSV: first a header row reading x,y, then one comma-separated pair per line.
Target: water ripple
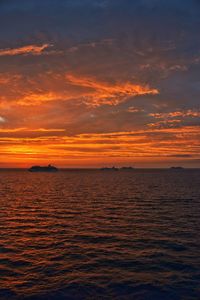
x,y
97,235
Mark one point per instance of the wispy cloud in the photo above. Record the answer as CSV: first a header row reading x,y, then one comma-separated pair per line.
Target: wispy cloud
x,y
174,114
165,123
92,44
24,129
53,87
116,147
25,50
174,118
109,93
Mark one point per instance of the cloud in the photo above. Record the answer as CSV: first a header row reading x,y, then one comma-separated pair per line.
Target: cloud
x,y
35,89
25,50
174,114
165,123
109,93
93,149
133,109
24,129
92,45
34,98
175,118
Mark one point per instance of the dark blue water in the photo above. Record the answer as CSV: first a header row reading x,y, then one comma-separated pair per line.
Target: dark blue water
x,y
100,235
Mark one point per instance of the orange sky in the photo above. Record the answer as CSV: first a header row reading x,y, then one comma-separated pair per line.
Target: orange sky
x,y
62,118
97,97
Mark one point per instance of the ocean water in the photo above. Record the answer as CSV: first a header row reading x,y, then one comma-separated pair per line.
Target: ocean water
x,y
100,235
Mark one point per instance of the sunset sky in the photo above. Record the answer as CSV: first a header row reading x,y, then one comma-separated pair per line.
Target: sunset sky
x,y
91,83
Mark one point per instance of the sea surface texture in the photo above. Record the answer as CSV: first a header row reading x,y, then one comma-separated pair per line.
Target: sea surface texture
x,y
100,235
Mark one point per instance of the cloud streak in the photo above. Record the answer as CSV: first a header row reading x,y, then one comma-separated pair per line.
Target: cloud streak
x,y
109,93
25,50
166,145
174,114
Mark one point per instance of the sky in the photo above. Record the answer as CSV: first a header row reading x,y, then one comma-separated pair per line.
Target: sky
x,y
91,83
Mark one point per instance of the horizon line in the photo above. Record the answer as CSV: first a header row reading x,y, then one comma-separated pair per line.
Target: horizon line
x,y
100,168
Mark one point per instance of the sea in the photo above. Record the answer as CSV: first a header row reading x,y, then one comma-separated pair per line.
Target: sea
x,y
93,234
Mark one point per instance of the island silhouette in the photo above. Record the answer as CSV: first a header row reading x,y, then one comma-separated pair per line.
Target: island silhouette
x,y
48,169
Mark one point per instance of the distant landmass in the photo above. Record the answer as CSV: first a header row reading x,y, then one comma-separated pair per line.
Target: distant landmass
x,y
118,169
127,168
48,169
110,169
177,168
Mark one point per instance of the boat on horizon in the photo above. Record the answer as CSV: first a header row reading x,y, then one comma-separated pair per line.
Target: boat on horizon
x,y
48,169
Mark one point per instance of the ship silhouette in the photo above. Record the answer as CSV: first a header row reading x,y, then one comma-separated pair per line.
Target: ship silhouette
x,y
48,169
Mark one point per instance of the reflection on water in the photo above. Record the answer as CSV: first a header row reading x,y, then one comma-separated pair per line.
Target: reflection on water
x,y
100,235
